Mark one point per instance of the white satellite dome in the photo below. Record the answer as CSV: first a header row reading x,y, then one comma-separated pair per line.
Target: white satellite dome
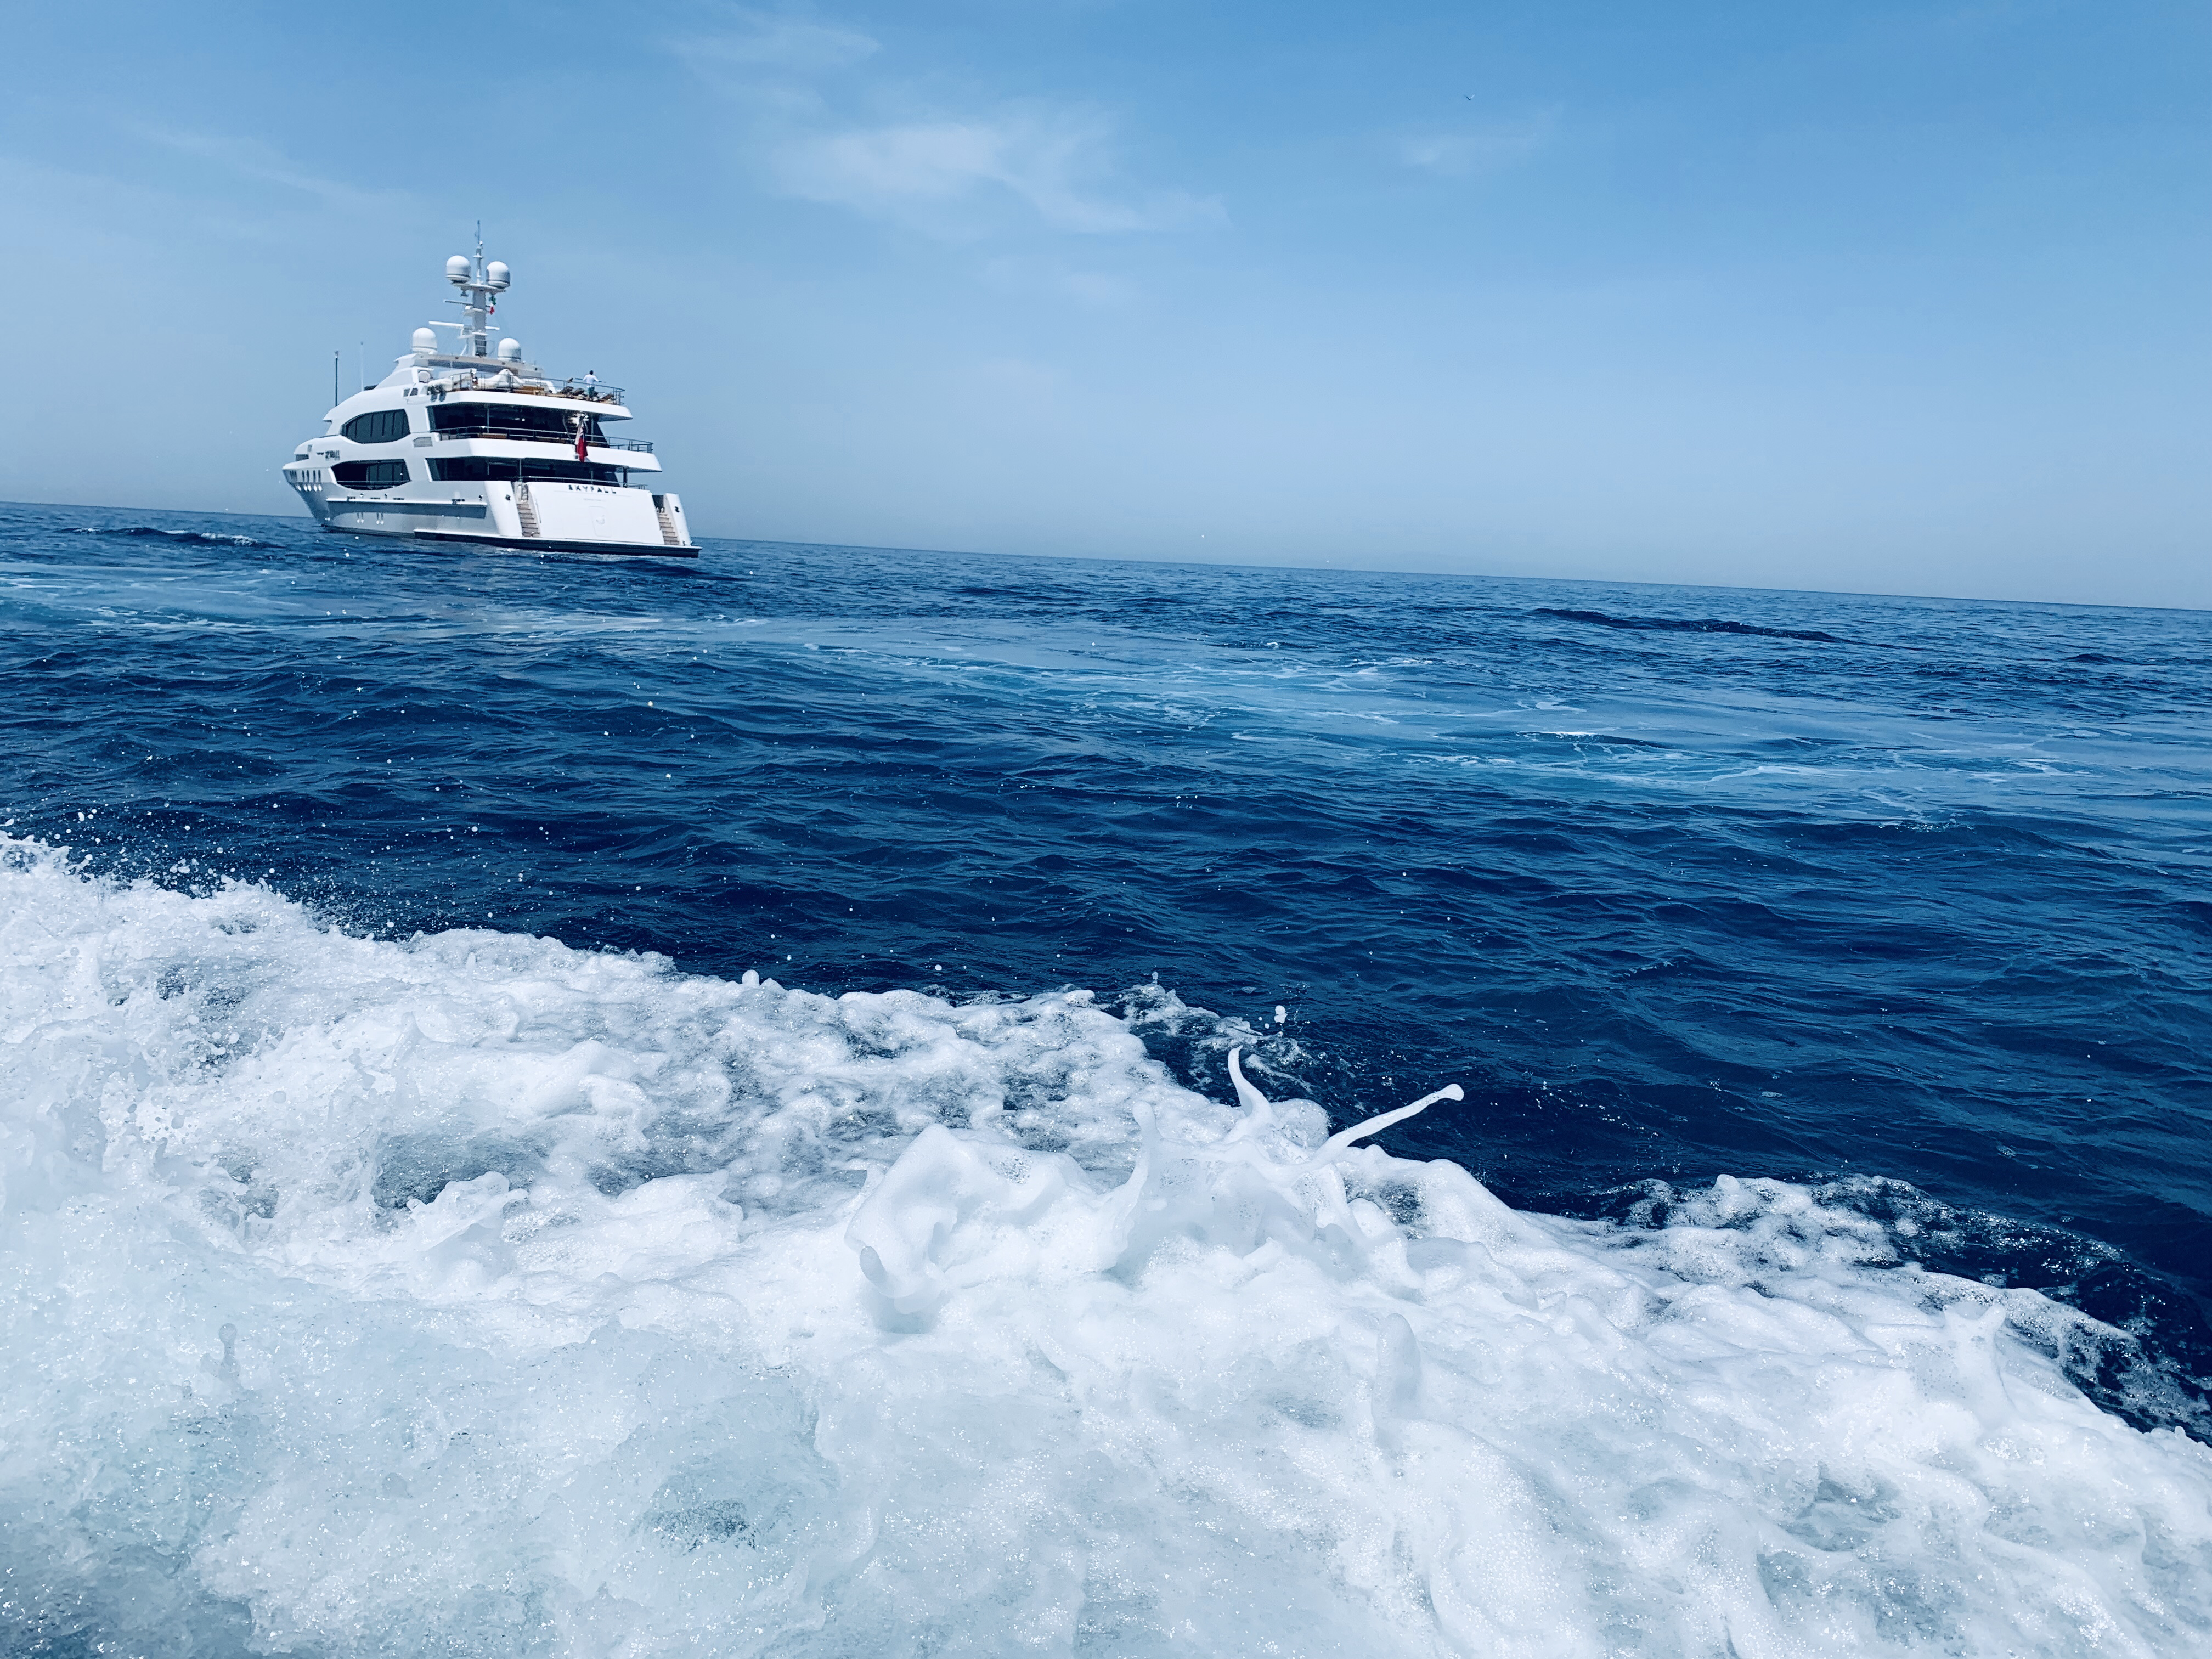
x,y
458,269
510,351
495,273
426,339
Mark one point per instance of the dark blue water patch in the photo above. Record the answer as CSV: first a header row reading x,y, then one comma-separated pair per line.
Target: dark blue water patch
x,y
1668,905
1686,625
215,537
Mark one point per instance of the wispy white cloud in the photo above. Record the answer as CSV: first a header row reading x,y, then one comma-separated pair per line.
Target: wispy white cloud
x,y
1097,287
760,41
1478,149
1100,290
823,120
262,163
932,174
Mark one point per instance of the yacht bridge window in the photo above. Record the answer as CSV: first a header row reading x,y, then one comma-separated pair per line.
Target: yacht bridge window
x,y
512,420
369,474
379,425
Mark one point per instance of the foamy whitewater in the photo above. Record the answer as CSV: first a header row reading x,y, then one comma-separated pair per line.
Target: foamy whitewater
x,y
473,1294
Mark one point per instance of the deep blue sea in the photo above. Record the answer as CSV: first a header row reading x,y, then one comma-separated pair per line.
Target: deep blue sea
x,y
699,1093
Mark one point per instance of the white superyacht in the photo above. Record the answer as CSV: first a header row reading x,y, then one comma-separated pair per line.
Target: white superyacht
x,y
470,446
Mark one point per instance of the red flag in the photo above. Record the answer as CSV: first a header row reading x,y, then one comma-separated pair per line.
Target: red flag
x,y
581,456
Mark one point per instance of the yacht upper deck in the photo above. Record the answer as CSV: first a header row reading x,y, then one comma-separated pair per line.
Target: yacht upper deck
x,y
451,373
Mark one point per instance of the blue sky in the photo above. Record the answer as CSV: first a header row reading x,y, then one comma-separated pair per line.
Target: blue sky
x,y
1884,297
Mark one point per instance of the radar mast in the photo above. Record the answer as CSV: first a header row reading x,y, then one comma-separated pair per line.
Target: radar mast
x,y
480,284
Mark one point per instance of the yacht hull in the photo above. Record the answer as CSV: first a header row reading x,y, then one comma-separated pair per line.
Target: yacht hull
x,y
522,544
549,544
546,518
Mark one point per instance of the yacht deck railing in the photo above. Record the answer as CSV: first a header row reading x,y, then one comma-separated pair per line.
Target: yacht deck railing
x,y
527,435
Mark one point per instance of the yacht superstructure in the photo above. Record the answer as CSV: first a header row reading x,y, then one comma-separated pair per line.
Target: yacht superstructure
x,y
477,446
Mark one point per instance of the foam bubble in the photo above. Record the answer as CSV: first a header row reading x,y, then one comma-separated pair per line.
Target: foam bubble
x,y
473,1294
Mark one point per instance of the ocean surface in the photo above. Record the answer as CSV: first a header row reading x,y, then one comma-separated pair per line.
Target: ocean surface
x,y
562,1106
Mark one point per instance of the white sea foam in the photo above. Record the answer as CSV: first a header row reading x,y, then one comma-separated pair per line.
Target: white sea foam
x,y
475,1295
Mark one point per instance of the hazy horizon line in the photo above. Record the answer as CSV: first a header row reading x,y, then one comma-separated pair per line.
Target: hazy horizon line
x,y
1247,564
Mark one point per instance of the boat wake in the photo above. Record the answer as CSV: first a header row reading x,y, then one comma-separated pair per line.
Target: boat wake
x,y
474,1294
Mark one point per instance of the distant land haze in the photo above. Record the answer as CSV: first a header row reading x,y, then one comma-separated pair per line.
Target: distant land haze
x,y
1881,299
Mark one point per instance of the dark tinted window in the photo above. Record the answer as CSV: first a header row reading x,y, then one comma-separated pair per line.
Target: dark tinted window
x,y
549,423
383,426
464,469
370,474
